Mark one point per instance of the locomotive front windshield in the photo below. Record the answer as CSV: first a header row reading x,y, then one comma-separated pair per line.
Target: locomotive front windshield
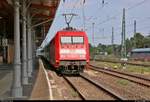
x,y
66,40
72,40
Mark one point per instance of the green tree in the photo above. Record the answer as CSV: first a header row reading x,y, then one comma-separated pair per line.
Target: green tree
x,y
101,47
147,42
139,40
109,49
132,42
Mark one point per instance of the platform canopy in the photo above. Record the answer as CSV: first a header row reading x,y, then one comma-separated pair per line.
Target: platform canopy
x,y
40,10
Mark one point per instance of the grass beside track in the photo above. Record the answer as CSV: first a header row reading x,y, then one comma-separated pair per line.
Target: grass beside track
x,y
129,68
117,59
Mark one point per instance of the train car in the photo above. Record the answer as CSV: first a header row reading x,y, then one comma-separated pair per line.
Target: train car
x,y
68,51
140,54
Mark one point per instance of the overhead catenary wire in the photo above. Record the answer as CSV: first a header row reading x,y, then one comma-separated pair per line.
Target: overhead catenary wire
x,y
75,5
46,40
129,8
83,13
98,10
108,19
129,25
108,37
103,38
113,17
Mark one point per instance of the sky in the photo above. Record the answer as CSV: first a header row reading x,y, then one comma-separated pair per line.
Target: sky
x,y
104,16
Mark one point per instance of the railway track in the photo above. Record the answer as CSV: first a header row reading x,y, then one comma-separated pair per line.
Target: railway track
x,y
88,89
133,78
129,63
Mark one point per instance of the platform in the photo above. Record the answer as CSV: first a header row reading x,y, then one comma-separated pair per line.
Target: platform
x,y
6,77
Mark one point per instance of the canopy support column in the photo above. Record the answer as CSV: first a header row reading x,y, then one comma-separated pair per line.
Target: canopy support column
x,y
24,44
30,62
16,87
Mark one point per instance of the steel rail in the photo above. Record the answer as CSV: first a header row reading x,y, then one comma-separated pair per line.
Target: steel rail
x,y
118,72
113,94
129,63
79,93
110,92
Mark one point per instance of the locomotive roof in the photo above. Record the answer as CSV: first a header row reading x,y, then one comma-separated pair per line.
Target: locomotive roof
x,y
141,50
71,29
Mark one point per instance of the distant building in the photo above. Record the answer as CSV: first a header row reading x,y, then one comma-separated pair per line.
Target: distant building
x,y
140,54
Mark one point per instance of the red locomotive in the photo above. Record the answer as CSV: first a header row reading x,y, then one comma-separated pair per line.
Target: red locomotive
x,y
68,51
